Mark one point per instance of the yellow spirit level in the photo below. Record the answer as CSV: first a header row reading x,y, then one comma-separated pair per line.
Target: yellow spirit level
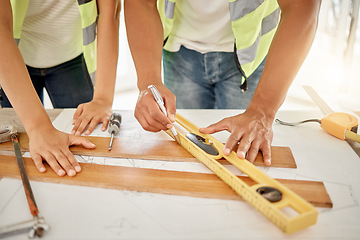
x,y
268,196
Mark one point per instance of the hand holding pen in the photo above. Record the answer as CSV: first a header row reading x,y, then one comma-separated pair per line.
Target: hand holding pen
x,y
160,102
147,111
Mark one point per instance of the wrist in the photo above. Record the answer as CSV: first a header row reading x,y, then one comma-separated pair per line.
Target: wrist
x,y
143,83
262,111
107,101
264,105
39,127
104,96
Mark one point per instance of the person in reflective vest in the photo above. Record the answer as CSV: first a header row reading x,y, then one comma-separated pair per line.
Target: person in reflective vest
x,y
59,45
218,54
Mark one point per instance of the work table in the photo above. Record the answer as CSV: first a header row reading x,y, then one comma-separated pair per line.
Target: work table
x,y
78,212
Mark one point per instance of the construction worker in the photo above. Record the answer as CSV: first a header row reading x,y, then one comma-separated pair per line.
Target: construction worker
x,y
51,39
197,41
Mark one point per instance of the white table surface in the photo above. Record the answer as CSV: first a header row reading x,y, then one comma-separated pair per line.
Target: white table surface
x,y
75,212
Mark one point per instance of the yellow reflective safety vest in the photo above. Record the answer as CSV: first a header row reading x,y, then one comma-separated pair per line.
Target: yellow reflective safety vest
x,y
88,13
254,23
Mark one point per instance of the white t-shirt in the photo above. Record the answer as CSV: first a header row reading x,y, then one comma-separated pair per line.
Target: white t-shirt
x,y
201,25
51,33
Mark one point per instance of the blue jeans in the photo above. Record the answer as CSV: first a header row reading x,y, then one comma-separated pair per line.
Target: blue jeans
x,y
67,84
207,81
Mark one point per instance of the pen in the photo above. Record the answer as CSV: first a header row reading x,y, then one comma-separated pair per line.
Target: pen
x,y
160,102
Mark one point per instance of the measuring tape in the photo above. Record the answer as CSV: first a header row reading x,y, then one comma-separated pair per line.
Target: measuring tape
x,y
341,125
268,196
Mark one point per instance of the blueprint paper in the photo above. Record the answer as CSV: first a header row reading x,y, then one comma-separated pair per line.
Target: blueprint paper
x,y
76,212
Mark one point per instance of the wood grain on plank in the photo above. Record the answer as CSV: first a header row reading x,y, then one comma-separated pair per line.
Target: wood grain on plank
x,y
157,181
154,150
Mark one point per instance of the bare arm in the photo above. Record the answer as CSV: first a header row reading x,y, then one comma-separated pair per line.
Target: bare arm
x,y
145,35
15,78
288,51
46,143
99,109
289,48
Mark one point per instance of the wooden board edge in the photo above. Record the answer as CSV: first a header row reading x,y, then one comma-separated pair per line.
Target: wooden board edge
x,y
157,181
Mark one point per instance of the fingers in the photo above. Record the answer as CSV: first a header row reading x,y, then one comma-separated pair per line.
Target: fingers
x,y
148,112
224,124
266,152
249,135
70,157
50,159
38,163
248,148
150,116
244,145
81,125
64,161
149,123
76,140
91,126
53,163
89,115
76,122
216,127
231,144
61,162
77,113
88,124
52,146
105,124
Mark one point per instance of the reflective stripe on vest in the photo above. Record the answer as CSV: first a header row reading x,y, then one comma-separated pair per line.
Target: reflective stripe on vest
x,y
88,14
166,11
254,23
18,17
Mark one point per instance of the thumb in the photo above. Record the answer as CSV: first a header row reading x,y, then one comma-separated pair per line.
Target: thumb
x,y
216,127
77,140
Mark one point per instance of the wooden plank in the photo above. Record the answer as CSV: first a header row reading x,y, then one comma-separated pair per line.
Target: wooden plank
x,y
155,150
157,181
134,142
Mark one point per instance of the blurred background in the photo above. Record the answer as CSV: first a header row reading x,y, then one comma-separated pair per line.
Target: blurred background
x,y
332,67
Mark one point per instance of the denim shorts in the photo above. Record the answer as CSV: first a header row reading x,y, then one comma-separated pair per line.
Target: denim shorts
x,y
207,81
67,84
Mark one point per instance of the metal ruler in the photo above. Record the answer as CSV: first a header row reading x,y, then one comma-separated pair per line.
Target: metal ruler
x,y
279,204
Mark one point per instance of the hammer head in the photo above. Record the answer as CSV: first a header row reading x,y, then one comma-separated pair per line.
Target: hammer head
x,y
6,131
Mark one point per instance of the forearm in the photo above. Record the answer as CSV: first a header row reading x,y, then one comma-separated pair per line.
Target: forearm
x,y
107,49
15,79
145,42
287,52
